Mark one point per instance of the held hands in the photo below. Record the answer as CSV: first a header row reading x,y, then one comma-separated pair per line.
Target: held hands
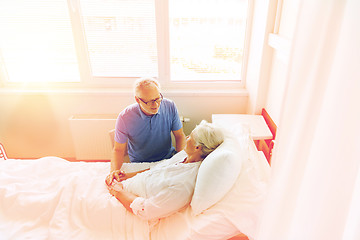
x,y
118,176
113,182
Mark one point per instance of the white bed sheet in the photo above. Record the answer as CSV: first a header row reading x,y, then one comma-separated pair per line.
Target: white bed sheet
x,y
51,198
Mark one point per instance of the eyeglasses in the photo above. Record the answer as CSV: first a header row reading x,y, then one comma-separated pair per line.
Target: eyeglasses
x,y
151,102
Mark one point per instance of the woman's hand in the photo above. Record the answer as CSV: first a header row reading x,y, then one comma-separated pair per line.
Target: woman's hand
x,y
117,190
115,187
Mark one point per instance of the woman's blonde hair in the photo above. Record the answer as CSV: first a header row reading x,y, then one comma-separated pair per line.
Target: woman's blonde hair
x,y
208,136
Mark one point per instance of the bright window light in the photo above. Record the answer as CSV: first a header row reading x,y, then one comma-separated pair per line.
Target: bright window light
x,y
207,39
36,43
121,37
109,43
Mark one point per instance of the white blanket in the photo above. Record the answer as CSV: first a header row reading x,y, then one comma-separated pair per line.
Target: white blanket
x,y
51,198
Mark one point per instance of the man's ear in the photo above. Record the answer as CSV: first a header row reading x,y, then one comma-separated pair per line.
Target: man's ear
x,y
137,99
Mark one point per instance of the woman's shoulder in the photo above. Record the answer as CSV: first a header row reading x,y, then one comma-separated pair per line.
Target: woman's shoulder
x,y
178,157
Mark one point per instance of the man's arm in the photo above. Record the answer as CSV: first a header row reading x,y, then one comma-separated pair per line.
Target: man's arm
x,y
117,160
118,154
180,139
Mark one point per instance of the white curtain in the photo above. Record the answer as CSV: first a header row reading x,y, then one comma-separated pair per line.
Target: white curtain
x,y
315,188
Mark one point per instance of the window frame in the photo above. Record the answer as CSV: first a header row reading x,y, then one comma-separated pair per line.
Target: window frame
x,y
87,80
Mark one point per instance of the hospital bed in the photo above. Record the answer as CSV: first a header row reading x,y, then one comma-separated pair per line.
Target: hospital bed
x,y
51,198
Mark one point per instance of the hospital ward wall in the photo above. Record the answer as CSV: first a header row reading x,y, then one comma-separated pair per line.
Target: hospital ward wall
x,y
34,124
281,43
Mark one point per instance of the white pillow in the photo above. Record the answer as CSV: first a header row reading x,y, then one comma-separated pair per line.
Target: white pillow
x,y
243,204
220,169
211,226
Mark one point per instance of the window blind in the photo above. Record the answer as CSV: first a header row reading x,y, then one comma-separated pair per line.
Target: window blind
x,y
36,43
121,37
207,39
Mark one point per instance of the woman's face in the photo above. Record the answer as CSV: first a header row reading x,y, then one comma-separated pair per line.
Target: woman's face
x,y
190,147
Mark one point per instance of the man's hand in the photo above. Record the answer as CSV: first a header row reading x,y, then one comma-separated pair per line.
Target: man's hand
x,y
117,175
120,176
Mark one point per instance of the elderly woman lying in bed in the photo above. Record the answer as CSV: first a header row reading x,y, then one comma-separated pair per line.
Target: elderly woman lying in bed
x,y
167,187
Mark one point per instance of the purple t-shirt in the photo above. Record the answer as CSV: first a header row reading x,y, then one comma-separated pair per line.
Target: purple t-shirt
x,y
148,137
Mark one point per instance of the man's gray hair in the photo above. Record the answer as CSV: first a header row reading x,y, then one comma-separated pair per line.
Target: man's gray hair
x,y
208,136
144,82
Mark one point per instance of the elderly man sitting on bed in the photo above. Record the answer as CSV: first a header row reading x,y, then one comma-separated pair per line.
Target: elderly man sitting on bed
x,y
168,186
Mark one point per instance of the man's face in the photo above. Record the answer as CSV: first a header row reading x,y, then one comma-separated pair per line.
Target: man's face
x,y
147,97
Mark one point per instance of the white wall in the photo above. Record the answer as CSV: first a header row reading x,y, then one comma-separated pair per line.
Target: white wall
x,y
259,63
281,42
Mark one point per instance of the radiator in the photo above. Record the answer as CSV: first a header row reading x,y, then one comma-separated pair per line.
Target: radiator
x,y
91,138
90,134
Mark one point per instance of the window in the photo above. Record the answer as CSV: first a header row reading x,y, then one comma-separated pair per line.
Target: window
x,y
121,37
36,43
206,39
111,42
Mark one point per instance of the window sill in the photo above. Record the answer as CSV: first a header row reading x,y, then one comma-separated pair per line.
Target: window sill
x,y
118,91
